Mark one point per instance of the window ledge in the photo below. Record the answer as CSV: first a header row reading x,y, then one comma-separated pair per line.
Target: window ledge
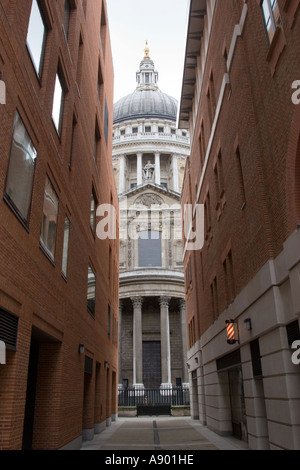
x,y
47,253
15,211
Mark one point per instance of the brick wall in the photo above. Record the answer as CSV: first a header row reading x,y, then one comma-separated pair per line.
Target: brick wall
x,y
256,135
50,308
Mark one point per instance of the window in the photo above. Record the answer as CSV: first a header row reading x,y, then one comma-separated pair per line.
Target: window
x,y
134,130
147,128
211,97
93,212
207,213
58,103
66,18
49,220
91,291
97,141
256,358
66,247
20,173
73,136
103,30
161,130
150,249
271,16
147,78
100,84
36,37
79,62
106,119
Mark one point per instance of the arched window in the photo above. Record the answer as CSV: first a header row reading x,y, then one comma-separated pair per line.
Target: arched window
x,y
149,249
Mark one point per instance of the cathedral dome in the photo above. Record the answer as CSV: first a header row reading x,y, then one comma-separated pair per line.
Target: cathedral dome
x,y
147,101
145,104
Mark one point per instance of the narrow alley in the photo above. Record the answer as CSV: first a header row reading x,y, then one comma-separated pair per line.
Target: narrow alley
x,y
160,434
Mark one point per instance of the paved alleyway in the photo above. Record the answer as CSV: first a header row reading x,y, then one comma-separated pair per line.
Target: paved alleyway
x,y
160,433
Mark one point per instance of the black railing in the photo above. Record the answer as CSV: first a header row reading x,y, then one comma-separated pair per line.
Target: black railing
x,y
175,396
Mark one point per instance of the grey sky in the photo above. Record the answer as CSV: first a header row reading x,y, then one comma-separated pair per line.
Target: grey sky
x,y
164,24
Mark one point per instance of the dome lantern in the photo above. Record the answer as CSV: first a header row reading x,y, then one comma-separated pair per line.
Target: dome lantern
x,y
147,76
147,101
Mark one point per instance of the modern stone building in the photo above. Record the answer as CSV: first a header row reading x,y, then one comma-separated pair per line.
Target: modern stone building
x,y
242,61
58,281
149,155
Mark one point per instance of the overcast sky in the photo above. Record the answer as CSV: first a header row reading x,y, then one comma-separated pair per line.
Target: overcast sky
x,y
164,24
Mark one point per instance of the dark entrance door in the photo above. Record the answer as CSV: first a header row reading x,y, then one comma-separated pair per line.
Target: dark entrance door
x,y
151,364
30,396
238,411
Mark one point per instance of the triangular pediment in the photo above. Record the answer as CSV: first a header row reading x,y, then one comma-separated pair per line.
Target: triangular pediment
x,y
151,194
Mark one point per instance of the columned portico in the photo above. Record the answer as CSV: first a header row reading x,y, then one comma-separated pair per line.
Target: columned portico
x,y
152,334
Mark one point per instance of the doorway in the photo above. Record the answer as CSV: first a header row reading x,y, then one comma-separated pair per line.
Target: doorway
x,y
151,364
237,401
30,396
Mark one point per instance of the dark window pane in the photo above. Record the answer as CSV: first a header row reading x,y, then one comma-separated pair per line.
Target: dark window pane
x,y
150,249
91,291
20,172
49,221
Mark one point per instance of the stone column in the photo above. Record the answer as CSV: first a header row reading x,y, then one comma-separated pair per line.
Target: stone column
x,y
157,168
122,175
165,342
185,377
137,342
139,169
175,173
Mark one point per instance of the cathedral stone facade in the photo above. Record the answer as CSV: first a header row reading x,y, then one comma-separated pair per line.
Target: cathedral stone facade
x,y
149,155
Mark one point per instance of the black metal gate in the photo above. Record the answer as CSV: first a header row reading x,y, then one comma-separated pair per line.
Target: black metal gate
x,y
154,401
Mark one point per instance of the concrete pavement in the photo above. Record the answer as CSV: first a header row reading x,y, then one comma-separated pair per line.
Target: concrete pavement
x,y
160,433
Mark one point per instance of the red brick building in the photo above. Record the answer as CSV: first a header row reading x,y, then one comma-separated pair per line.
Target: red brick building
x,y
239,100
58,280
